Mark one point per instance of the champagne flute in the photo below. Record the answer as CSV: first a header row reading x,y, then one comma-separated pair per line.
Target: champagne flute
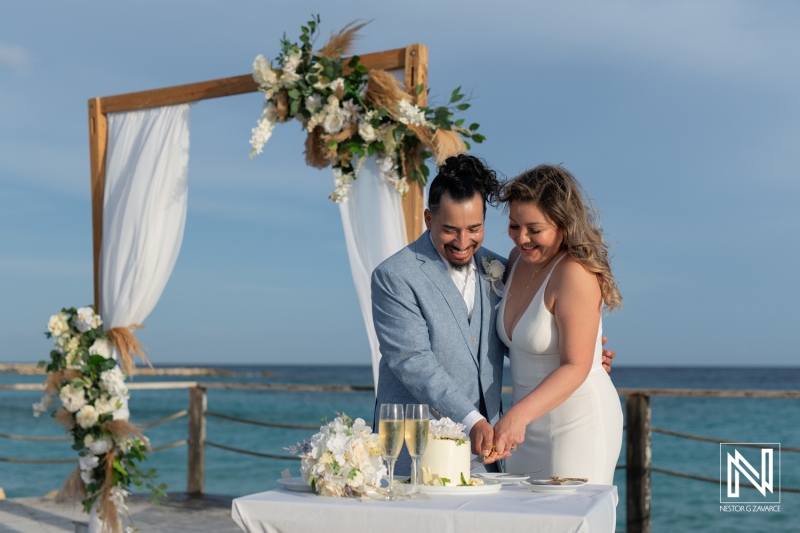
x,y
390,431
418,420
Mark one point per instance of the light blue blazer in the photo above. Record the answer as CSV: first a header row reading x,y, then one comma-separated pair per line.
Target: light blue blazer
x,y
430,351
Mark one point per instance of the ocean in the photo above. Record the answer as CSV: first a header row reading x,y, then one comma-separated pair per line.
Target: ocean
x,y
678,504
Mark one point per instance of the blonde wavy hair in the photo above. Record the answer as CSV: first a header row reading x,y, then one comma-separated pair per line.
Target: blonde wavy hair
x,y
559,195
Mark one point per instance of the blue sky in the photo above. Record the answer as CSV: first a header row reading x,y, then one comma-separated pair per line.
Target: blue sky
x,y
680,118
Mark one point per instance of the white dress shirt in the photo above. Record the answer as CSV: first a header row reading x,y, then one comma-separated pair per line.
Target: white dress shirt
x,y
465,281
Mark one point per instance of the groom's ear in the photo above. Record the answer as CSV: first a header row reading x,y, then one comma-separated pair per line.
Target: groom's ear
x,y
428,217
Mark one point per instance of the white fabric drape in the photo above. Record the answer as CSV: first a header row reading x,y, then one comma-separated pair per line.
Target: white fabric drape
x,y
374,229
144,209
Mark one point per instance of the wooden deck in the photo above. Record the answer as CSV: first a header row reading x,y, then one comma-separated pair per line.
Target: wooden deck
x,y
179,513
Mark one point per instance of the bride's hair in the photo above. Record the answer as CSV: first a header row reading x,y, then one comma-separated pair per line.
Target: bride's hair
x,y
562,199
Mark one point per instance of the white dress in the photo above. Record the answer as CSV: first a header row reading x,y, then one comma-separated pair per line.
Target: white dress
x,y
581,437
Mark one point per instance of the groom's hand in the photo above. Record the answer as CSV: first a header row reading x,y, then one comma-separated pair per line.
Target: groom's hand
x,y
482,436
608,355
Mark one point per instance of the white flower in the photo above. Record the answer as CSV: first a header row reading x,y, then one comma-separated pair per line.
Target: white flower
x,y
314,103
385,134
121,412
411,114
351,110
72,398
87,416
104,405
86,319
291,61
337,84
366,131
263,74
87,476
118,496
88,462
493,268
58,324
104,348
445,428
98,446
114,382
334,121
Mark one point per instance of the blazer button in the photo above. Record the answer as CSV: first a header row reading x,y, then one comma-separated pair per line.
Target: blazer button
x,y
474,339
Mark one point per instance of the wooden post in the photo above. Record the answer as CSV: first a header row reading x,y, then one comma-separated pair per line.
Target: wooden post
x,y
637,411
416,68
98,142
196,473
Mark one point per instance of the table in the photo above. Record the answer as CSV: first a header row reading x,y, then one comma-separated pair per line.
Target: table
x,y
512,510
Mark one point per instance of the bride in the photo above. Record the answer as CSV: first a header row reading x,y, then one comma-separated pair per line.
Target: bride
x,y
566,418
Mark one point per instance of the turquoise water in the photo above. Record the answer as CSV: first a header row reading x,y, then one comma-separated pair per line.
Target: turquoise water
x,y
678,504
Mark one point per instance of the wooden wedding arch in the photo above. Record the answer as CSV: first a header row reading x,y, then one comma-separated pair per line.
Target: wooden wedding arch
x,y
412,59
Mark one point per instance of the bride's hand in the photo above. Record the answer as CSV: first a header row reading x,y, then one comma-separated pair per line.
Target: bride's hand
x,y
509,433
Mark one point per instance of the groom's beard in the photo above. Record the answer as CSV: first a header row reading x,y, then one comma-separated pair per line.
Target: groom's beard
x,y
460,266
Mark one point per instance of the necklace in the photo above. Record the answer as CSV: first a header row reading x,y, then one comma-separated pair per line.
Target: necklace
x,y
533,275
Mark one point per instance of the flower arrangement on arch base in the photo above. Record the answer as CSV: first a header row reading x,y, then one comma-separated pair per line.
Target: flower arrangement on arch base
x,y
350,112
84,374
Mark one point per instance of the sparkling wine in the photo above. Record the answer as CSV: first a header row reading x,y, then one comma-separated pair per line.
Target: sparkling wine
x,y
417,436
391,434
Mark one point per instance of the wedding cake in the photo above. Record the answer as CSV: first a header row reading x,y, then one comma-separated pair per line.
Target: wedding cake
x,y
446,458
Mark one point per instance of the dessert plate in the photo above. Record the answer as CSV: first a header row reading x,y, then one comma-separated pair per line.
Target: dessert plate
x,y
295,484
546,486
488,487
505,479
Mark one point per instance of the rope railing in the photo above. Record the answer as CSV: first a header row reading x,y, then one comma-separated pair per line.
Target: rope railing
x,y
715,441
709,479
248,452
35,439
260,423
170,418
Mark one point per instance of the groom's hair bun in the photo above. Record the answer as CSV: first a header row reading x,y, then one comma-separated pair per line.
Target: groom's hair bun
x,y
462,177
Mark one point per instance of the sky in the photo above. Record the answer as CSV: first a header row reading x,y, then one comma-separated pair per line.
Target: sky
x,y
680,118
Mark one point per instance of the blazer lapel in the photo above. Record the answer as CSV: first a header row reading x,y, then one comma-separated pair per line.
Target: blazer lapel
x,y
433,267
487,306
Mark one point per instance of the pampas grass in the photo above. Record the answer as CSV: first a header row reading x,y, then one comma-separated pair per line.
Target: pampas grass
x,y
127,345
341,43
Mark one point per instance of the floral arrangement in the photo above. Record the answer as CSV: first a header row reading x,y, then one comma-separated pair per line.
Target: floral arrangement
x,y
445,428
84,375
351,113
344,459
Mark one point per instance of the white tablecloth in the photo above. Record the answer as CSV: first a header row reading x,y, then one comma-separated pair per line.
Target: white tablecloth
x,y
513,509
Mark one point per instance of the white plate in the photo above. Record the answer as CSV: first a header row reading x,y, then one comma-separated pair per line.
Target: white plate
x,y
541,485
295,484
488,487
505,479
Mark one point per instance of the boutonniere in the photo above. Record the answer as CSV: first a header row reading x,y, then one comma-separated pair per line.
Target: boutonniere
x,y
493,271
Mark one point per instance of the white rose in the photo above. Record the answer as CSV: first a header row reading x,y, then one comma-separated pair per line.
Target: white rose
x,y
334,121
356,452
496,269
58,324
72,398
86,417
367,132
103,405
104,348
86,319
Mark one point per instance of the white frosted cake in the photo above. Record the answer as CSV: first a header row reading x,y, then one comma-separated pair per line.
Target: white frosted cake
x,y
448,459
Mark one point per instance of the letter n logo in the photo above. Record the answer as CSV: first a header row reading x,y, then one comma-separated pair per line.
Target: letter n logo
x,y
739,463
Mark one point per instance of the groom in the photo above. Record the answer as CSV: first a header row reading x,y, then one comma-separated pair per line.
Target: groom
x,y
434,310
